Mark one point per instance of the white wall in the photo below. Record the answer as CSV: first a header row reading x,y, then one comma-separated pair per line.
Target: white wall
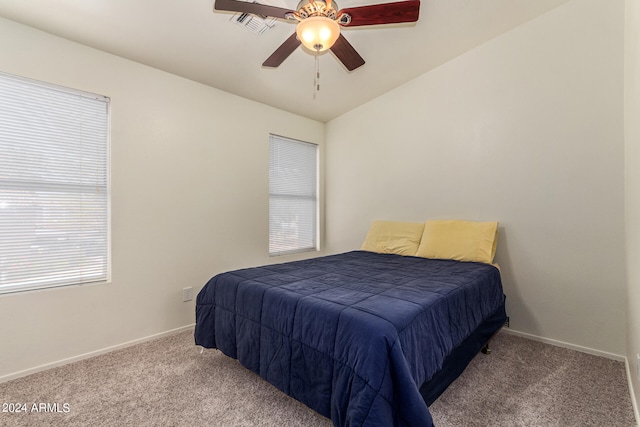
x,y
526,129
632,188
189,199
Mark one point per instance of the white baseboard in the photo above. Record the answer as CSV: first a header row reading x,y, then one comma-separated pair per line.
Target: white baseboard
x,y
633,395
565,345
90,354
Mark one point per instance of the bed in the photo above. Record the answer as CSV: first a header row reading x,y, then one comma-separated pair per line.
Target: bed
x,y
363,338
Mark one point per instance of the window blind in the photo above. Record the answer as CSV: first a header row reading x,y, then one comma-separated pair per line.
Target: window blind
x,y
293,195
54,193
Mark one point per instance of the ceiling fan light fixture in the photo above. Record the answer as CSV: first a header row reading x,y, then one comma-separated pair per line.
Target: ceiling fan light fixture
x,y
319,23
318,33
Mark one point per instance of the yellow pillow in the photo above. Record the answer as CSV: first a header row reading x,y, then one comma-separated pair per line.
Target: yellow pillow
x,y
393,237
460,240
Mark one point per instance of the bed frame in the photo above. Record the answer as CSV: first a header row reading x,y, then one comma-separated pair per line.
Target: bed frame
x,y
460,357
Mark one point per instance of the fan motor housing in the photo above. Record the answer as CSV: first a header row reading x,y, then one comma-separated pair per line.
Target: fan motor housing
x,y
308,8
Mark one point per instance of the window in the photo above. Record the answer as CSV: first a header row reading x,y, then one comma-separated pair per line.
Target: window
x,y
293,196
54,193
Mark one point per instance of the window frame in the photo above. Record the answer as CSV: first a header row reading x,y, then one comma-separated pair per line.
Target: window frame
x,y
315,198
104,164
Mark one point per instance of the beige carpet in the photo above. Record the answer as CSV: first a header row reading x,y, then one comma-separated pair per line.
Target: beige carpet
x,y
167,382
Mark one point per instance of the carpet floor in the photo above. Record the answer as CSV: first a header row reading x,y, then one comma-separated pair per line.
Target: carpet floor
x,y
167,382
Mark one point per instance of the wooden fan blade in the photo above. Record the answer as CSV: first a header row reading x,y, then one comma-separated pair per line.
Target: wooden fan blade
x,y
282,52
383,13
343,50
253,8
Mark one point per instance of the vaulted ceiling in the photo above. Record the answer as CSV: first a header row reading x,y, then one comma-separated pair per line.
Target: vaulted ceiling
x,y
188,38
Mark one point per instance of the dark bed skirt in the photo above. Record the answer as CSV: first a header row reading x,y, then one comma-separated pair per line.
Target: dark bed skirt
x,y
458,360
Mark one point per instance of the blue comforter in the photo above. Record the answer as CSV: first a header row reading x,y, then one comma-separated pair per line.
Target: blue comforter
x,y
352,336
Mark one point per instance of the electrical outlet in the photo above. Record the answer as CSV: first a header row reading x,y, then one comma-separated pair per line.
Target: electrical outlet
x,y
187,294
506,322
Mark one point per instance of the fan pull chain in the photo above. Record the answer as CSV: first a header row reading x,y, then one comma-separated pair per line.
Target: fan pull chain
x,y
317,82
316,74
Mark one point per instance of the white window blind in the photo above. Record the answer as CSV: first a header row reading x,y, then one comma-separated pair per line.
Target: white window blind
x,y
54,198
293,195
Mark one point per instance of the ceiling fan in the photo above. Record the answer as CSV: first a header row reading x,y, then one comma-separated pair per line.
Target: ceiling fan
x,y
319,23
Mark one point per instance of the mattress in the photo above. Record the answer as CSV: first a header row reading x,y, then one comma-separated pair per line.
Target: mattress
x,y
353,336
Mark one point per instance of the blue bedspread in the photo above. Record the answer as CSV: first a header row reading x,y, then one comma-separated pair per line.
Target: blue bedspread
x,y
352,336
